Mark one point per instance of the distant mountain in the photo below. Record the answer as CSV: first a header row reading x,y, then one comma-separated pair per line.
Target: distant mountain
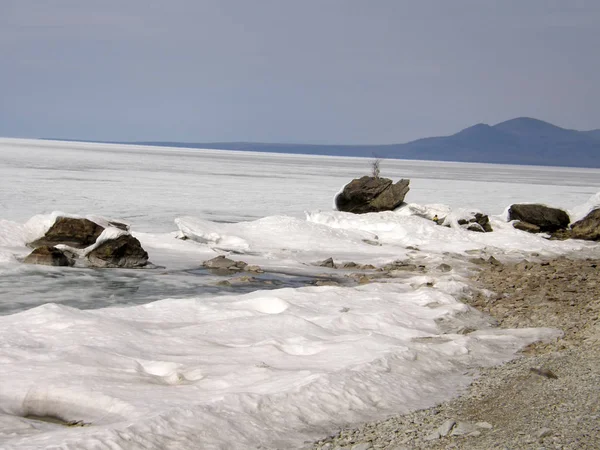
x,y
518,141
593,133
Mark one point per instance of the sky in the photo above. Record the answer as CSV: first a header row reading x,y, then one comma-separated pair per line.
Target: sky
x,y
303,71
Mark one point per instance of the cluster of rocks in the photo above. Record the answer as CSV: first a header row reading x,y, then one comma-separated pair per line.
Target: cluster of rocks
x,y
71,241
536,218
330,264
376,194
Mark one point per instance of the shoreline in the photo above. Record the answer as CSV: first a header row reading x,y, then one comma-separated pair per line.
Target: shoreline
x,y
548,397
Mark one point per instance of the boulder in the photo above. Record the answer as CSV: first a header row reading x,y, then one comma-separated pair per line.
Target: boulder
x,y
47,256
547,218
587,228
124,251
371,194
223,263
74,232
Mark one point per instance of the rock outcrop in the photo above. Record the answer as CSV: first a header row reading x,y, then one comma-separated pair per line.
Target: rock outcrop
x,y
47,256
546,218
371,194
124,251
587,228
74,235
74,232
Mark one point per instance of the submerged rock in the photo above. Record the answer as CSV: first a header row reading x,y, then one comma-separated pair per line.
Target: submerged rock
x,y
371,194
223,263
74,232
47,256
124,251
546,218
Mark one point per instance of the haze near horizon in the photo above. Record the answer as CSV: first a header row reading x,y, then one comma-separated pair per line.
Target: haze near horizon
x,y
331,72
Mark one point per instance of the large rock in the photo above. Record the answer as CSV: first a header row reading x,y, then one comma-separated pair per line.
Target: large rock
x,y
124,251
74,232
371,194
587,228
548,219
47,256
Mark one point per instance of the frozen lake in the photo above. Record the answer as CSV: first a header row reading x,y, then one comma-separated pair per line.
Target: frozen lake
x,y
151,186
171,358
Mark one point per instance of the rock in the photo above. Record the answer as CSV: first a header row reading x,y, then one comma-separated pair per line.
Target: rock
x,y
547,373
372,242
444,267
125,251
371,194
364,280
327,263
399,265
479,222
587,228
254,268
74,232
326,283
363,446
223,263
465,428
493,261
526,226
547,218
543,432
446,427
47,256
433,436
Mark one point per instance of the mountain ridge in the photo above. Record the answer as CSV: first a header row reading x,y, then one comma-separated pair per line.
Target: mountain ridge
x,y
522,140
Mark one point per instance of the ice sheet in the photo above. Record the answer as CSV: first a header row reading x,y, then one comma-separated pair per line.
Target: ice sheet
x,y
168,358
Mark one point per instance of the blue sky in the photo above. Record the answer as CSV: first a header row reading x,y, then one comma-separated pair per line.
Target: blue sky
x,y
310,71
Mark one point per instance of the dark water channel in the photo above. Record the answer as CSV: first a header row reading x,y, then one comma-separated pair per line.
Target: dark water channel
x,y
26,287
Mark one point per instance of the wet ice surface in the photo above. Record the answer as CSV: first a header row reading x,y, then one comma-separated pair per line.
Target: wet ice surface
x,y
30,286
170,358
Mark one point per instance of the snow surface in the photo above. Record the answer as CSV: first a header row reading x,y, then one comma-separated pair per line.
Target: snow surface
x,y
165,358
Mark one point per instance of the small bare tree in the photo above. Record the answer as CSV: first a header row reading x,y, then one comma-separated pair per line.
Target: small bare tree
x,y
375,167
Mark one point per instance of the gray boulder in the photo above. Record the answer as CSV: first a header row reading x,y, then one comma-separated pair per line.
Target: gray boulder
x,y
371,194
125,251
546,218
587,228
74,232
47,256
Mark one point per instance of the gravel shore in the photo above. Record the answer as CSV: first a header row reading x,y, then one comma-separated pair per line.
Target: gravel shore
x,y
547,398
